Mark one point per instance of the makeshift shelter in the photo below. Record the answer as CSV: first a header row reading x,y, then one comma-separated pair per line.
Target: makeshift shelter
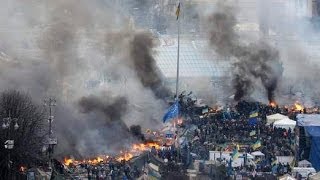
x,y
304,172
257,153
304,163
285,123
311,124
275,117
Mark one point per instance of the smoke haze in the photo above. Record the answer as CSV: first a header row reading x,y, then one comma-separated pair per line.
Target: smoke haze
x,y
145,65
86,55
257,60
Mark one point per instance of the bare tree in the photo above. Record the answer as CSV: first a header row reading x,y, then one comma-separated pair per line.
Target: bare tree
x,y
28,138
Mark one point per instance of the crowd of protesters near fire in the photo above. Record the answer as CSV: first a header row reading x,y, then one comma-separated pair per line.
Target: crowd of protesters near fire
x,y
221,130
231,127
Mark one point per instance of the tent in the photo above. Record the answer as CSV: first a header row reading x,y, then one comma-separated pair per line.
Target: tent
x,y
257,153
311,123
285,123
308,119
249,156
275,117
304,163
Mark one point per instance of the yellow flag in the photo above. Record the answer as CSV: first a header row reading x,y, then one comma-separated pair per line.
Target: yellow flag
x,y
178,11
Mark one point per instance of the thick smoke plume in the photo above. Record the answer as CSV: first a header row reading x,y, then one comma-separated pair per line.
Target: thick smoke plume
x,y
56,49
112,109
141,52
256,60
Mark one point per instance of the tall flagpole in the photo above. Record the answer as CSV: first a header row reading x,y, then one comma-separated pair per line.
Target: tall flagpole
x,y
178,53
177,81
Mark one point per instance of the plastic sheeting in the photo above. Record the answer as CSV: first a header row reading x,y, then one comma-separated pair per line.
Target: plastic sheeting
x,y
312,127
315,152
285,123
275,117
314,132
308,120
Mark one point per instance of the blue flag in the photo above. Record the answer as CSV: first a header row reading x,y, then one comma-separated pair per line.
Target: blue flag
x,y
173,112
253,121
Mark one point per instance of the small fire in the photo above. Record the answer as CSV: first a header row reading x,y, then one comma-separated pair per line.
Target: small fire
x,y
95,161
136,149
298,106
144,147
273,104
124,156
68,161
22,169
179,121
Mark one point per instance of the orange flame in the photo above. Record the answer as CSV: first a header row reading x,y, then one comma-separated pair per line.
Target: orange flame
x,y
22,169
125,157
273,104
298,106
95,161
143,147
68,161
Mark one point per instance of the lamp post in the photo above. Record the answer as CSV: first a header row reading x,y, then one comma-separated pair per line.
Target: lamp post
x,y
9,143
50,102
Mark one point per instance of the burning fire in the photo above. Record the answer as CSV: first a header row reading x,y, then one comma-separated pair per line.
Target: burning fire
x,y
22,169
179,121
97,160
298,106
136,149
125,156
143,147
273,104
67,161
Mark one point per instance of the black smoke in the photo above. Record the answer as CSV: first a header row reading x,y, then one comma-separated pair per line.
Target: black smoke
x,y
256,60
105,114
145,65
112,109
136,132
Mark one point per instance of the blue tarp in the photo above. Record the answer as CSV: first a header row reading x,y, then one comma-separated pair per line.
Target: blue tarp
x,y
315,153
312,127
314,133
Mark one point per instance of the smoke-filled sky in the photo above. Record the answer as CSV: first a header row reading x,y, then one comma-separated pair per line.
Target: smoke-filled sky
x,y
257,60
274,63
53,48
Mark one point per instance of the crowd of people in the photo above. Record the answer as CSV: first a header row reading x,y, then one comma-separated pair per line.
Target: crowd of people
x,y
230,127
221,130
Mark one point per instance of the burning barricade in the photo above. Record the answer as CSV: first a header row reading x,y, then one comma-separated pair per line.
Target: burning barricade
x,y
135,150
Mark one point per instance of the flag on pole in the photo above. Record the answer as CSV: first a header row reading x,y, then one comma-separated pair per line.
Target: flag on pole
x,y
253,121
172,112
178,11
254,114
256,145
235,154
